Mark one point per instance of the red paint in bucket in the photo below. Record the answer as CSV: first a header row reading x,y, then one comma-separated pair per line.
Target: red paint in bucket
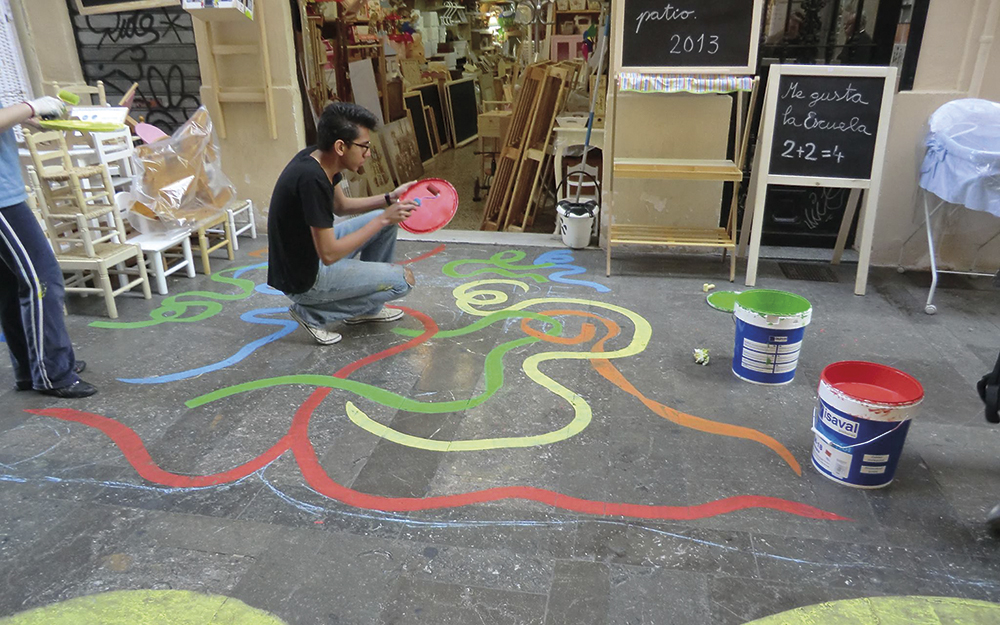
x,y
873,383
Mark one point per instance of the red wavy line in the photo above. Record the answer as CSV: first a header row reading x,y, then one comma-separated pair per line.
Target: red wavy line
x,y
297,439
436,250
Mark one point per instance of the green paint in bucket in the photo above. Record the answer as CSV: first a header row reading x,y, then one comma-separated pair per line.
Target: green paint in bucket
x,y
770,326
779,303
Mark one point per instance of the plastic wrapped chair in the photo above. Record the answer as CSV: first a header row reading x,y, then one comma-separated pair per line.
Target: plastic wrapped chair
x,y
961,167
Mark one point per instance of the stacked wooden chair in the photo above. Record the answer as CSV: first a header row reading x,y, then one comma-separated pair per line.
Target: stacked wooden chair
x,y
82,222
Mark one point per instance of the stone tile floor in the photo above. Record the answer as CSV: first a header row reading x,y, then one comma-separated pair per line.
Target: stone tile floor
x,y
463,466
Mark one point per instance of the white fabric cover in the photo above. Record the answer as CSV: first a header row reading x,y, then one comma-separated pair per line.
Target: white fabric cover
x,y
962,162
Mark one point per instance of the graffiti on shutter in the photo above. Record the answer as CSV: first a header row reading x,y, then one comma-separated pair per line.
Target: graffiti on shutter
x,y
154,48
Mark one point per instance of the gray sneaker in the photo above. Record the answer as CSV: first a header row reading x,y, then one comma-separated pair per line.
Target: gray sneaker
x,y
384,314
322,336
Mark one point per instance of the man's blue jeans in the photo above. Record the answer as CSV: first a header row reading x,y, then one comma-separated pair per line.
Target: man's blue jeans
x,y
357,285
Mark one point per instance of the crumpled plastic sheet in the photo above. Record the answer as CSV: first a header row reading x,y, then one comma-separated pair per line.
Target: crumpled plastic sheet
x,y
180,178
962,161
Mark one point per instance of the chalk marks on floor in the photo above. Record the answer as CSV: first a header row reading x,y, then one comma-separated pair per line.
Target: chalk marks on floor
x,y
489,300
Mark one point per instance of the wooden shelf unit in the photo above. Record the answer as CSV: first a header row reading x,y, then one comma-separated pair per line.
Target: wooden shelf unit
x,y
682,169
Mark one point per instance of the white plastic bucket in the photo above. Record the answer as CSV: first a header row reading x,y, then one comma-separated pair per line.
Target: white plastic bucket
x,y
574,227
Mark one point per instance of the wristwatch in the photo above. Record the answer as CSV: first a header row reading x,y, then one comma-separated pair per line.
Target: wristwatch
x,y
388,200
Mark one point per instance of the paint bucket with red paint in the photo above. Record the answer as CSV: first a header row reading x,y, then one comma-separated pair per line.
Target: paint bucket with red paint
x,y
861,421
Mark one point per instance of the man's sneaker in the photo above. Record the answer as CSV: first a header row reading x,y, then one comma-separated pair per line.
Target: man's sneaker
x,y
322,336
78,367
73,391
384,314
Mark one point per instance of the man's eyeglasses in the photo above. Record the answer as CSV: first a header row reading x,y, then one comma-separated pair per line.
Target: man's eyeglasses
x,y
366,147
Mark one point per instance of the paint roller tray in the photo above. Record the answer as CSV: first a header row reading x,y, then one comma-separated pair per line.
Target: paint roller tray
x,y
438,202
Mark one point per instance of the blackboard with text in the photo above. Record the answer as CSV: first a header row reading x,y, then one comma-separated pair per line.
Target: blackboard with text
x,y
688,34
826,126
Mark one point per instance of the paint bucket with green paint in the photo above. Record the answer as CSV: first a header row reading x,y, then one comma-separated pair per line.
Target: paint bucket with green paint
x,y
770,326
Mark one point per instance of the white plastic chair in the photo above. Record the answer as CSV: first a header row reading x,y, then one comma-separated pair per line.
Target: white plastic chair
x,y
247,221
114,149
158,245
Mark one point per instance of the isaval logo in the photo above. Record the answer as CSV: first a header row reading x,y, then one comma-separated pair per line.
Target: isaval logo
x,y
840,424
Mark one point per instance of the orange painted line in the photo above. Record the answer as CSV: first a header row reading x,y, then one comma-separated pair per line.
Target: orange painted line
x,y
613,375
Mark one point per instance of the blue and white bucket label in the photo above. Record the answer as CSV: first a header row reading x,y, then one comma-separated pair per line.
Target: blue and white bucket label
x,y
852,449
766,355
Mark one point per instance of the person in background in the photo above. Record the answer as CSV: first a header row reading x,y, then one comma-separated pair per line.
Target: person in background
x,y
789,45
341,273
31,283
857,48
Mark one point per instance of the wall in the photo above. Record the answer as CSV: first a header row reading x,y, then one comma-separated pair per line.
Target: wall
x,y
669,126
250,157
947,64
48,44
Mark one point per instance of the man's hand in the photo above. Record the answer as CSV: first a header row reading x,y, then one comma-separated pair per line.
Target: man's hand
x,y
47,107
398,212
401,189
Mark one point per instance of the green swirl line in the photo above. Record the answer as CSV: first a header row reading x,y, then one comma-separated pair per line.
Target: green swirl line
x,y
171,310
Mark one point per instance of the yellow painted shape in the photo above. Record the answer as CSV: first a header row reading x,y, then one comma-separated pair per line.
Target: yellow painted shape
x,y
146,607
890,611
582,415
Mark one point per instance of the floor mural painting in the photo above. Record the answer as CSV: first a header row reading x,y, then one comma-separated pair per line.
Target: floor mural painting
x,y
489,301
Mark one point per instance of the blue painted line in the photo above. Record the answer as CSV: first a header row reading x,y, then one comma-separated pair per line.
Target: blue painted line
x,y
563,259
242,270
288,326
267,290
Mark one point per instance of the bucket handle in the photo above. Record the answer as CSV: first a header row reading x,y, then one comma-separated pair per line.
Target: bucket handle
x,y
580,174
850,447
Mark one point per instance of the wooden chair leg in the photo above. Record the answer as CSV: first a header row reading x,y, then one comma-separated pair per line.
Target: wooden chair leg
x,y
203,248
109,296
230,239
141,262
156,259
231,222
188,257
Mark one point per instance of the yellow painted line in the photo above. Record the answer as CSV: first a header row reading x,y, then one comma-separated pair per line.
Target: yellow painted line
x,y
145,607
890,611
470,297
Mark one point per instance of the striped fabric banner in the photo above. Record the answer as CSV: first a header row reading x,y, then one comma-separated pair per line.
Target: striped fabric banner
x,y
660,83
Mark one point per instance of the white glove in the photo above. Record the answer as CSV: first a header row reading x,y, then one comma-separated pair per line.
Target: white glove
x,y
47,107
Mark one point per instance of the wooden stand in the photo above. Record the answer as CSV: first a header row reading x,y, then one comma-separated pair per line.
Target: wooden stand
x,y
218,94
526,153
682,169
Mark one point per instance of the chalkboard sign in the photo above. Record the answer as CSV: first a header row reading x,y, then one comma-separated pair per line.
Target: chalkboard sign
x,y
415,106
823,126
826,126
94,7
688,36
432,98
464,111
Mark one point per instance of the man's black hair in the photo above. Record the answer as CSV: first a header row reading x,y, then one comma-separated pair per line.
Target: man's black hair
x,y
340,121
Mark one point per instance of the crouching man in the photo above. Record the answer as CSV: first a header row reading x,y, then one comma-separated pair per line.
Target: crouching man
x,y
341,273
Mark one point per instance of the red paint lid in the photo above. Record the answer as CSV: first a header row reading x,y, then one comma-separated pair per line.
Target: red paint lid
x,y
438,204
873,383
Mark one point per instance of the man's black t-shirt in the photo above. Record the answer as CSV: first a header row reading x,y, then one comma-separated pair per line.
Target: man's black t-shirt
x,y
302,197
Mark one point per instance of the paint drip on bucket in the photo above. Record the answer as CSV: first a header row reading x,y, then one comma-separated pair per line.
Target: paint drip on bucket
x,y
861,421
770,326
